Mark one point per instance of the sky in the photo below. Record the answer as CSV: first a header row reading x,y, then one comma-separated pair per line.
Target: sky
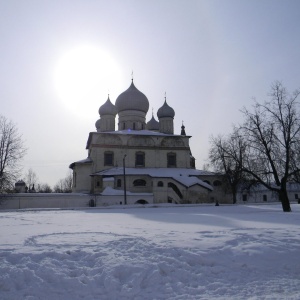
x,y
61,59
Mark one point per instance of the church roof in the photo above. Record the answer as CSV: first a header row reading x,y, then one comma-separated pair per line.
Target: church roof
x,y
187,177
138,132
132,99
87,160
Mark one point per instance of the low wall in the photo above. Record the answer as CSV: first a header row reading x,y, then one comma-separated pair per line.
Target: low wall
x,y
43,200
67,200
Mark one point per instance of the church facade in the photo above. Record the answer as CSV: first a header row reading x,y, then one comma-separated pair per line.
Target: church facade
x,y
141,162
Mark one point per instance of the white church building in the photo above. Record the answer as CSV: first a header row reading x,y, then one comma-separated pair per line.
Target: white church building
x,y
142,162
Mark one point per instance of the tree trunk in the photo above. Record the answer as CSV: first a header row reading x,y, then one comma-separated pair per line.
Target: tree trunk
x,y
234,196
284,199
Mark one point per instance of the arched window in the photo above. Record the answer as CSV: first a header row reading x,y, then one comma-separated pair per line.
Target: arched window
x,y
139,182
119,183
160,184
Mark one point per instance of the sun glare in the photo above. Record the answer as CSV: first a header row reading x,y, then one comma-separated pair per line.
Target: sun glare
x,y
84,76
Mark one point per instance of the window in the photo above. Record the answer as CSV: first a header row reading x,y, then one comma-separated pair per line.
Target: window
x,y
108,158
133,126
119,183
140,159
139,182
192,162
74,179
171,160
264,197
160,184
244,197
217,183
296,196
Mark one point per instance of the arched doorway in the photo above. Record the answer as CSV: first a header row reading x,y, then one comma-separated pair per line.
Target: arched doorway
x,y
141,201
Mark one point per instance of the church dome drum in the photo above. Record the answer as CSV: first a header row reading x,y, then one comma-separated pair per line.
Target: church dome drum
x,y
132,99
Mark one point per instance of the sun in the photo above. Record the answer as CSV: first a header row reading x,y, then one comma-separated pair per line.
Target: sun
x,y
84,76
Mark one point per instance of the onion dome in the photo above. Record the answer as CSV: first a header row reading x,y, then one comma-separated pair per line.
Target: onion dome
x,y
107,108
166,111
132,99
153,124
98,124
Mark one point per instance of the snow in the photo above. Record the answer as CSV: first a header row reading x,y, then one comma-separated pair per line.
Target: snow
x,y
151,252
109,191
182,175
155,172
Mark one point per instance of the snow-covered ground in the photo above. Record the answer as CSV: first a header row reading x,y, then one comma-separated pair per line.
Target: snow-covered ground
x,y
172,252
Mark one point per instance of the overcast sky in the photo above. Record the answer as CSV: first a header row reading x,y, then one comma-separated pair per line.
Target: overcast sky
x,y
210,57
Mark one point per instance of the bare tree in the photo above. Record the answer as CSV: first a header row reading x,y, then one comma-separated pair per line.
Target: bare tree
x,y
68,183
44,188
59,187
271,137
226,156
11,153
31,179
64,185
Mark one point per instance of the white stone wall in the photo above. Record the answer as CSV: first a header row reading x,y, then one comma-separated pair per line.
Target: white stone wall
x,y
119,199
81,178
155,148
37,200
72,200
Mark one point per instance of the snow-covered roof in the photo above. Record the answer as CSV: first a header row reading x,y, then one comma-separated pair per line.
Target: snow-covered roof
x,y
83,161
137,132
184,176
